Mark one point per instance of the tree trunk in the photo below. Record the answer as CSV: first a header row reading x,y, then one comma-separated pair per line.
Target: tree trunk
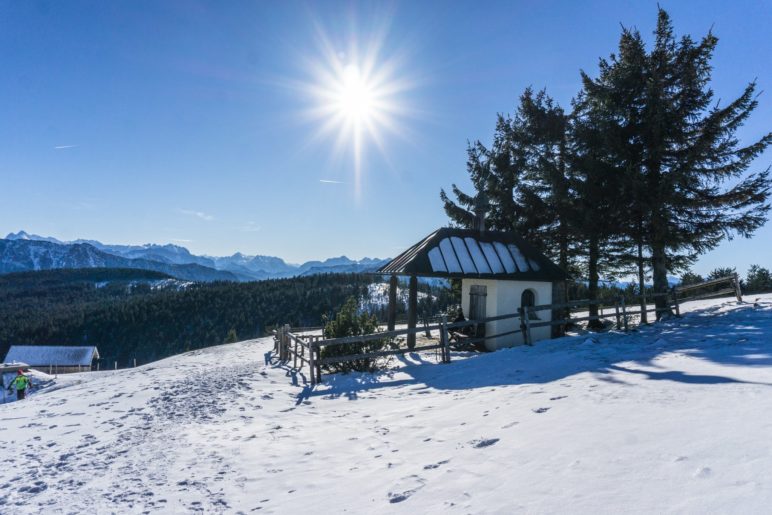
x,y
642,284
412,310
392,316
593,281
564,313
659,273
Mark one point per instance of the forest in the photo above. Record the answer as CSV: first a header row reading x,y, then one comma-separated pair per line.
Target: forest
x,y
638,177
148,315
127,318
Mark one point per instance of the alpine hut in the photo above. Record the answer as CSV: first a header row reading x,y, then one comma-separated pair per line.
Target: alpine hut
x,y
499,273
54,358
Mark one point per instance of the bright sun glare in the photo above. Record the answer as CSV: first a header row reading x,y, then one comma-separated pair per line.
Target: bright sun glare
x,y
356,96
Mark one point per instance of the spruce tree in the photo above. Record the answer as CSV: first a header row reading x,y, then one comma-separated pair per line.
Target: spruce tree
x,y
546,184
683,168
522,178
694,165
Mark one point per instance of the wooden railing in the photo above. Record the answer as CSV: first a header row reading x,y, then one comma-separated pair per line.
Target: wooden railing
x,y
733,288
305,350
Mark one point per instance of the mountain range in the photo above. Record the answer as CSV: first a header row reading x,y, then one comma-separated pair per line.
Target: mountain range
x,y
22,251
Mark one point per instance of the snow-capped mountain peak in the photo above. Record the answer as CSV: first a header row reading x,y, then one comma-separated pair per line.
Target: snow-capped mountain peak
x,y
240,266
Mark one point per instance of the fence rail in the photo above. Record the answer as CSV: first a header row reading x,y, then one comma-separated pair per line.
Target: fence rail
x,y
306,349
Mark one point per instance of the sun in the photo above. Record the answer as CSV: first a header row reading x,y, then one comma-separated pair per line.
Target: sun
x,y
356,96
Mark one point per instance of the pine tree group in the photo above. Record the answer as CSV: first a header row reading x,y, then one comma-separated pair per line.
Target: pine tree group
x,y
645,173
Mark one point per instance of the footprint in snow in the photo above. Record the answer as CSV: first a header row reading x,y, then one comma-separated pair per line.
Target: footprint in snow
x,y
405,488
558,397
482,443
35,488
511,424
540,410
703,472
436,465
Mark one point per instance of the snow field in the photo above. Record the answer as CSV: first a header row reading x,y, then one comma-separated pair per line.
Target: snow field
x,y
672,418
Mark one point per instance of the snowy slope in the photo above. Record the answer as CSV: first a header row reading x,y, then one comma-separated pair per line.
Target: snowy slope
x,y
675,418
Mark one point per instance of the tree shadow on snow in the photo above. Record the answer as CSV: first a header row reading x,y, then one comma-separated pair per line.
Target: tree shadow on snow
x,y
682,377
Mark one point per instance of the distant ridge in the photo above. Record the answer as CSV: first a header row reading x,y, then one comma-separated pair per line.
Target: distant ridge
x,y
22,251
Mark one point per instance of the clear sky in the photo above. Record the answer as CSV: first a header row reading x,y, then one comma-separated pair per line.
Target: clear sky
x,y
219,125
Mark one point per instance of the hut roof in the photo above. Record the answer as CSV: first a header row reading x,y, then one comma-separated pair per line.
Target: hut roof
x,y
44,355
456,253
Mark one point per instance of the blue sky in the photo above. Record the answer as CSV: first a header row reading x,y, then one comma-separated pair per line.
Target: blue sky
x,y
188,122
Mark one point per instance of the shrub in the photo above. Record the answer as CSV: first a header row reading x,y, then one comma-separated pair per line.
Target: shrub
x,y
349,322
759,279
691,278
231,337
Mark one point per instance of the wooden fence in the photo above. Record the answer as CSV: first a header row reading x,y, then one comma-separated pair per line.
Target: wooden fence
x,y
305,350
732,283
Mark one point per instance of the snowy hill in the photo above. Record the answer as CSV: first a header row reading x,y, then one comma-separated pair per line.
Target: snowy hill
x,y
674,418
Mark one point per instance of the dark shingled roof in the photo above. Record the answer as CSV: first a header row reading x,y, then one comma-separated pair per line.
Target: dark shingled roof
x,y
460,253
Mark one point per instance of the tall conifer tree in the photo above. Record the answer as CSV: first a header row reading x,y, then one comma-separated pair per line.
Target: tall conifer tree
x,y
684,168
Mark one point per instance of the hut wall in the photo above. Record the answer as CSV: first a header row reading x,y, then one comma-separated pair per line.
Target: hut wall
x,y
503,297
491,304
510,294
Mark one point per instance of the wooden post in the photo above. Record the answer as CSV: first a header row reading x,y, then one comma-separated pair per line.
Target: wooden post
x,y
286,342
97,366
135,362
412,310
295,354
526,321
392,315
311,361
281,343
318,365
616,309
444,339
737,290
116,365
675,302
624,313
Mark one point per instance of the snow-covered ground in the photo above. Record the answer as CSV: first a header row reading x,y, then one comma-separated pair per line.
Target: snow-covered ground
x,y
676,418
